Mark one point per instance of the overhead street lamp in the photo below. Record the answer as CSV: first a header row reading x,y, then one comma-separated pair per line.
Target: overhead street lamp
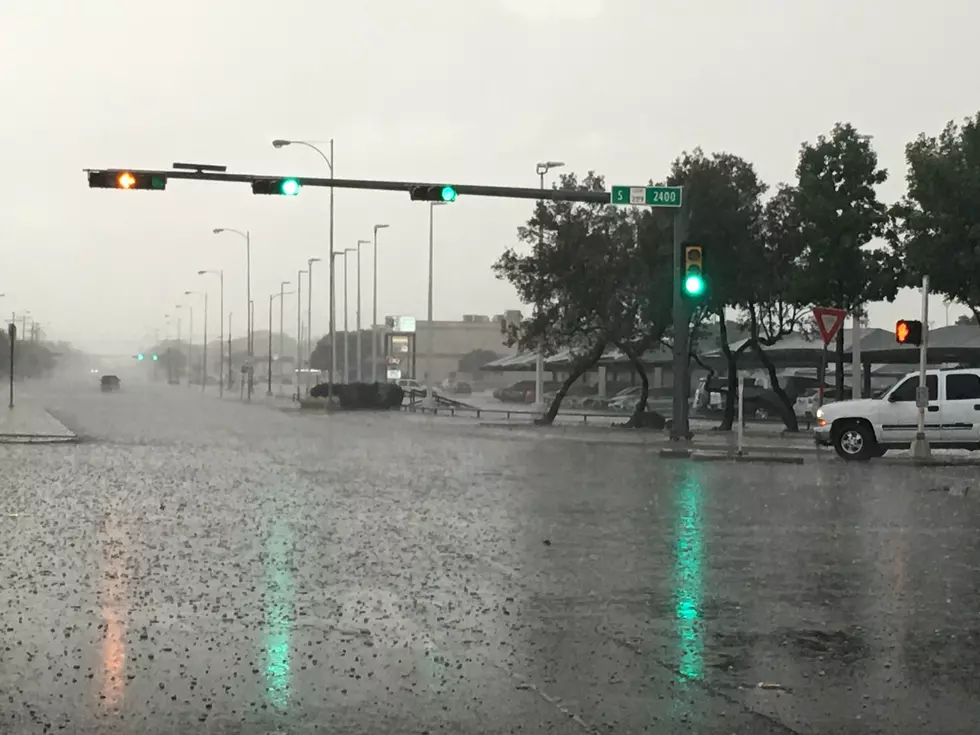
x,y
282,294
249,338
541,169
204,345
329,160
221,337
360,359
430,398
309,318
374,310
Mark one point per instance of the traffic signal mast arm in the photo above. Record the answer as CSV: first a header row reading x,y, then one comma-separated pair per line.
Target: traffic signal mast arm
x,y
510,192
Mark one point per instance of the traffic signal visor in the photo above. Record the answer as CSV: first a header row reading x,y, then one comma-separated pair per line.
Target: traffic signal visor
x,y
693,283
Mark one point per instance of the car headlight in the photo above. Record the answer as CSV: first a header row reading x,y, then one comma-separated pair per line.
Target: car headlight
x,y
819,413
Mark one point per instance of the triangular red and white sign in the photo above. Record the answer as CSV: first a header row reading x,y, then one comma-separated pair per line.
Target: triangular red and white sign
x,y
829,320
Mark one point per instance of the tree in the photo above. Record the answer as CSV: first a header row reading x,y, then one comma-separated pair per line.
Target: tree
x,y
472,361
938,230
346,342
574,276
963,320
769,311
724,194
840,215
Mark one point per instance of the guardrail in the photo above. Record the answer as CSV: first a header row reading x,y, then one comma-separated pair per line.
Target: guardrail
x,y
463,409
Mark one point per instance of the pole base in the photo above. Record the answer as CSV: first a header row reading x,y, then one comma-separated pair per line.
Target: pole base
x,y
920,448
538,409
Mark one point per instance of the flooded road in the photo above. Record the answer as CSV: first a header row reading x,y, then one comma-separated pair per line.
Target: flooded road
x,y
198,565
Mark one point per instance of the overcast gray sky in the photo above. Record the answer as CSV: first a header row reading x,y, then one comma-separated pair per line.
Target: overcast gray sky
x,y
473,91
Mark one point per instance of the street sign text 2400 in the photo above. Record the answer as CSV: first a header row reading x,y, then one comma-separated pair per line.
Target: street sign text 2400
x,y
653,196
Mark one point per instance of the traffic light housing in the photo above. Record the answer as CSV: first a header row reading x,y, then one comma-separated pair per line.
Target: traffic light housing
x,y
908,332
278,187
437,193
692,276
126,180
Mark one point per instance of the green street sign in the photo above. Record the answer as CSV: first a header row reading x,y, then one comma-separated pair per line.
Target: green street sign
x,y
653,196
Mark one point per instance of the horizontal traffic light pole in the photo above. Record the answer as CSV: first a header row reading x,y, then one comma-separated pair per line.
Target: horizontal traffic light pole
x,y
506,192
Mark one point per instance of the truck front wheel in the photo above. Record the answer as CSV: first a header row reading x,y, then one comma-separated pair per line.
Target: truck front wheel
x,y
855,442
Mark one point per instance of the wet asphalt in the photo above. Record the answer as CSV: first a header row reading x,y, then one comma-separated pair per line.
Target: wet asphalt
x,y
197,565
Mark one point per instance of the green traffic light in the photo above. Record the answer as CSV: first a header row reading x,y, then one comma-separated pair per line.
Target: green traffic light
x,y
694,285
139,356
289,187
155,358
448,194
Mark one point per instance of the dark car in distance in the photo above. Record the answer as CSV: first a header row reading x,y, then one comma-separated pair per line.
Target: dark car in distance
x,y
109,383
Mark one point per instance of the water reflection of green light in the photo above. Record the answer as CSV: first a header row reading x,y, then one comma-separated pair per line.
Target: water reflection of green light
x,y
688,561
278,616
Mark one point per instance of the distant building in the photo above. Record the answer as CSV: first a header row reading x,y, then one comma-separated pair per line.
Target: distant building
x,y
451,340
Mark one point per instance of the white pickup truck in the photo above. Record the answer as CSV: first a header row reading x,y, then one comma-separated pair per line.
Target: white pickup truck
x,y
862,429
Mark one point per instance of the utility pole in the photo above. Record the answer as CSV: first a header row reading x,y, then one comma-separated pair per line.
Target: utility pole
x,y
920,446
679,426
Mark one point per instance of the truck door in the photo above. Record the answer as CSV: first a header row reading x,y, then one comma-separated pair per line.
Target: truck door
x,y
900,417
961,408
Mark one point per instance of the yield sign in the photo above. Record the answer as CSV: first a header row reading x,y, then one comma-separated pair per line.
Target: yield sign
x,y
829,320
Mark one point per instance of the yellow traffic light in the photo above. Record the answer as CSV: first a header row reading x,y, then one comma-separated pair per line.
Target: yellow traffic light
x,y
126,180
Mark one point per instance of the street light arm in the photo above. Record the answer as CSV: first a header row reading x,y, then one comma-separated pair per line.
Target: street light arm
x,y
281,143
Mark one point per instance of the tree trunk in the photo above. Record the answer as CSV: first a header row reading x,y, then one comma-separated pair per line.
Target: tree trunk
x,y
634,359
578,370
786,409
732,390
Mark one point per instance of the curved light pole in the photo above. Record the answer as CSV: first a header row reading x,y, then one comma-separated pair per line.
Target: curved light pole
x,y
272,297
360,359
204,345
250,331
221,337
541,169
374,310
329,160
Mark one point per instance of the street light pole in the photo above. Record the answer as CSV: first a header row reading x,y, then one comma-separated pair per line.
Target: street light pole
x,y
360,358
430,399
333,332
249,312
309,319
346,334
221,337
282,308
272,297
374,310
299,329
541,168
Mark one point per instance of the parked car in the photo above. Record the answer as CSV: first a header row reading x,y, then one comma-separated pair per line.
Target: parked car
x,y
411,386
522,391
862,429
457,387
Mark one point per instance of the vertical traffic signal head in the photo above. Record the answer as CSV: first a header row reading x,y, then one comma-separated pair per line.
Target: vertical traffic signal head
x,y
439,193
908,332
280,187
692,283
